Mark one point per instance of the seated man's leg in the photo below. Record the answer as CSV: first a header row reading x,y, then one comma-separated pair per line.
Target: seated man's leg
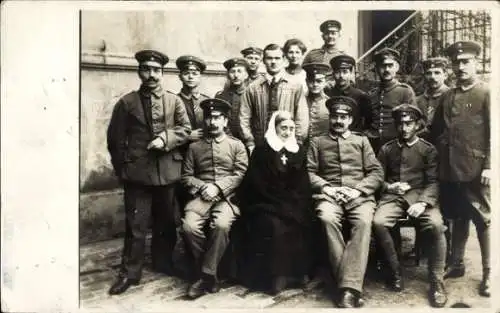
x,y
432,226
196,215
385,218
355,258
330,215
223,216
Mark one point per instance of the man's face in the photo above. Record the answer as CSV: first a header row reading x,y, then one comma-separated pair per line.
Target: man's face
x,y
316,83
464,68
190,76
253,61
340,122
294,55
237,75
330,36
150,73
215,123
407,130
285,130
342,77
273,60
435,77
387,70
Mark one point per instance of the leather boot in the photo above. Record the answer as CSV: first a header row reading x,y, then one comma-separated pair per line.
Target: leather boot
x,y
121,285
484,287
437,294
455,271
395,281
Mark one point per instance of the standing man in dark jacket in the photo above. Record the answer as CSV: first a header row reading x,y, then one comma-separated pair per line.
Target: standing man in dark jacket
x,y
435,74
461,132
343,67
237,74
345,174
411,190
379,124
144,133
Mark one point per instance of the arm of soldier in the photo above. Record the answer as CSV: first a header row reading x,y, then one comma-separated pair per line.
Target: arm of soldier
x,y
245,119
317,182
188,179
179,134
117,137
365,110
382,158
301,116
374,173
486,172
229,183
436,126
431,191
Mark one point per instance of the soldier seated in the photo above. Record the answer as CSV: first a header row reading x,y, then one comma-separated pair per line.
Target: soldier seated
x,y
411,188
212,169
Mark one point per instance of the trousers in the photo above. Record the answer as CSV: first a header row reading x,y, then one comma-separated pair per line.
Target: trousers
x,y
348,260
144,204
430,224
206,227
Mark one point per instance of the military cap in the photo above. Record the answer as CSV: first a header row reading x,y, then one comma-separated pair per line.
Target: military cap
x,y
251,50
329,23
151,55
229,64
184,61
316,68
341,104
386,54
463,50
434,62
342,61
406,112
215,105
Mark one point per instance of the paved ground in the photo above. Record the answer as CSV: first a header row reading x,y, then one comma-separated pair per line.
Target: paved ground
x,y
99,262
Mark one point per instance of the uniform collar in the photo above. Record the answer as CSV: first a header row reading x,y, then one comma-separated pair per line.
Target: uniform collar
x,y
157,92
239,89
278,77
408,144
325,49
217,140
316,97
345,135
344,91
464,87
436,93
196,95
388,86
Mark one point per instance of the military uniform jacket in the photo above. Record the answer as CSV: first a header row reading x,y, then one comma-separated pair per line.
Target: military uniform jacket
x,y
193,109
233,96
129,133
461,132
321,55
379,122
415,164
319,116
347,160
254,110
362,99
221,161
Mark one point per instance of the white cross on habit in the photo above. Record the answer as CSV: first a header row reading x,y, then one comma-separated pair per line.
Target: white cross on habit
x,y
284,159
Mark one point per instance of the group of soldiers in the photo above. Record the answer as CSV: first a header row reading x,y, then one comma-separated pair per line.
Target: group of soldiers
x,y
372,158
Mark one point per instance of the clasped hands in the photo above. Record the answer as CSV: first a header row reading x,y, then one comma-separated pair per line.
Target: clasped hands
x,y
342,195
209,192
157,143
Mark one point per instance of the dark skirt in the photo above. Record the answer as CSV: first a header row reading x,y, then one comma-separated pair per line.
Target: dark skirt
x,y
274,247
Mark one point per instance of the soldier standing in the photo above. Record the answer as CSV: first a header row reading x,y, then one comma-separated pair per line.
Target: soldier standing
x,y
237,74
146,128
434,77
343,67
379,124
253,55
461,132
191,68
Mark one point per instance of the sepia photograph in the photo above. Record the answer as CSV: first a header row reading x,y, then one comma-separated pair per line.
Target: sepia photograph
x,y
245,155
285,158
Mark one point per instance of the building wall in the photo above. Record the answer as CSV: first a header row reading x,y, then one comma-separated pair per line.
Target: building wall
x,y
109,40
